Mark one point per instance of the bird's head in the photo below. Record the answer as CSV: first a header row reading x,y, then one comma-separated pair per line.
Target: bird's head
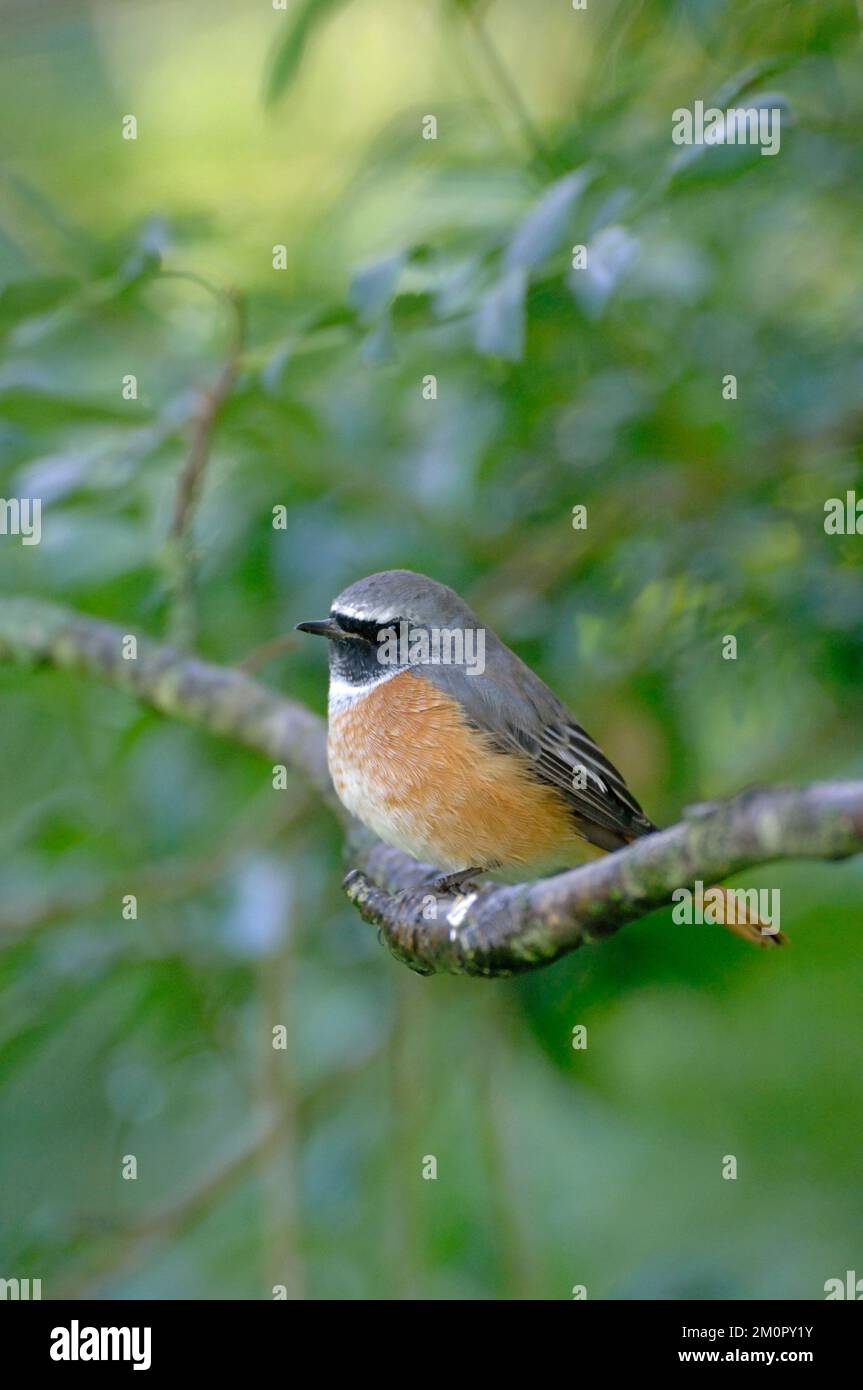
x,y
376,623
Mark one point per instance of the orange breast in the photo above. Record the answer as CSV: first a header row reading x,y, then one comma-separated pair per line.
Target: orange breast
x,y
406,763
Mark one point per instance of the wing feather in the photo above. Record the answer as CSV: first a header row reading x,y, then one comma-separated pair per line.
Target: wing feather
x,y
517,710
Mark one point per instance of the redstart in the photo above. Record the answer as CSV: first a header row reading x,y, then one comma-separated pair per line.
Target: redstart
x,y
446,745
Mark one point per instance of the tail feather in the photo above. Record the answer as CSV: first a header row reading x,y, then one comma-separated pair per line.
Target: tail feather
x,y
736,914
738,918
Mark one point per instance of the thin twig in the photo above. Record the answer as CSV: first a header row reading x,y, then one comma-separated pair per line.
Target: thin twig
x,y
404,1155
180,550
162,881
279,1090
124,1250
533,139
262,655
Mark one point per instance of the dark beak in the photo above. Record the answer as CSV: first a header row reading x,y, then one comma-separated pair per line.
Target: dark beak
x,y
325,628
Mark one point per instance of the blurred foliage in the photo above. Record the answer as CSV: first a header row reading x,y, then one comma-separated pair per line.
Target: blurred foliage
x,y
555,386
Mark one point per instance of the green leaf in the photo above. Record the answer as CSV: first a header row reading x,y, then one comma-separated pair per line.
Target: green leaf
x,y
288,53
499,328
24,299
34,407
731,91
609,256
723,159
373,285
378,348
544,227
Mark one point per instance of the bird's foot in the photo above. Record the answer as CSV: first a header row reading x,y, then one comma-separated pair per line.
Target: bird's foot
x,y
459,882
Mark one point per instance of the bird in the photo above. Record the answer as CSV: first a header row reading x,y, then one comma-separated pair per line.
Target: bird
x,y
450,748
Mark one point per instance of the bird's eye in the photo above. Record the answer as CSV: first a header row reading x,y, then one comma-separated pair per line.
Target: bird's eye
x,y
366,629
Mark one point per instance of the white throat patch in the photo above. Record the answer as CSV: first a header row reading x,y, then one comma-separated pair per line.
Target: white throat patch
x,y
344,693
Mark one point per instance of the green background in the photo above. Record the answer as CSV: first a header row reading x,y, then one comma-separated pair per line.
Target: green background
x,y
603,387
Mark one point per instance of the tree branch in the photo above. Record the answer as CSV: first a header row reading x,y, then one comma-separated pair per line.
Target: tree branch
x,y
499,930
508,930
216,698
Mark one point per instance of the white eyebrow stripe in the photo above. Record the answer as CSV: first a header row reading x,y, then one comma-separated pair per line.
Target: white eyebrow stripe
x,y
361,614
344,692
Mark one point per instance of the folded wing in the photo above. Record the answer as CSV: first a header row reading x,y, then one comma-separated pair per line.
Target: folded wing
x,y
516,709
